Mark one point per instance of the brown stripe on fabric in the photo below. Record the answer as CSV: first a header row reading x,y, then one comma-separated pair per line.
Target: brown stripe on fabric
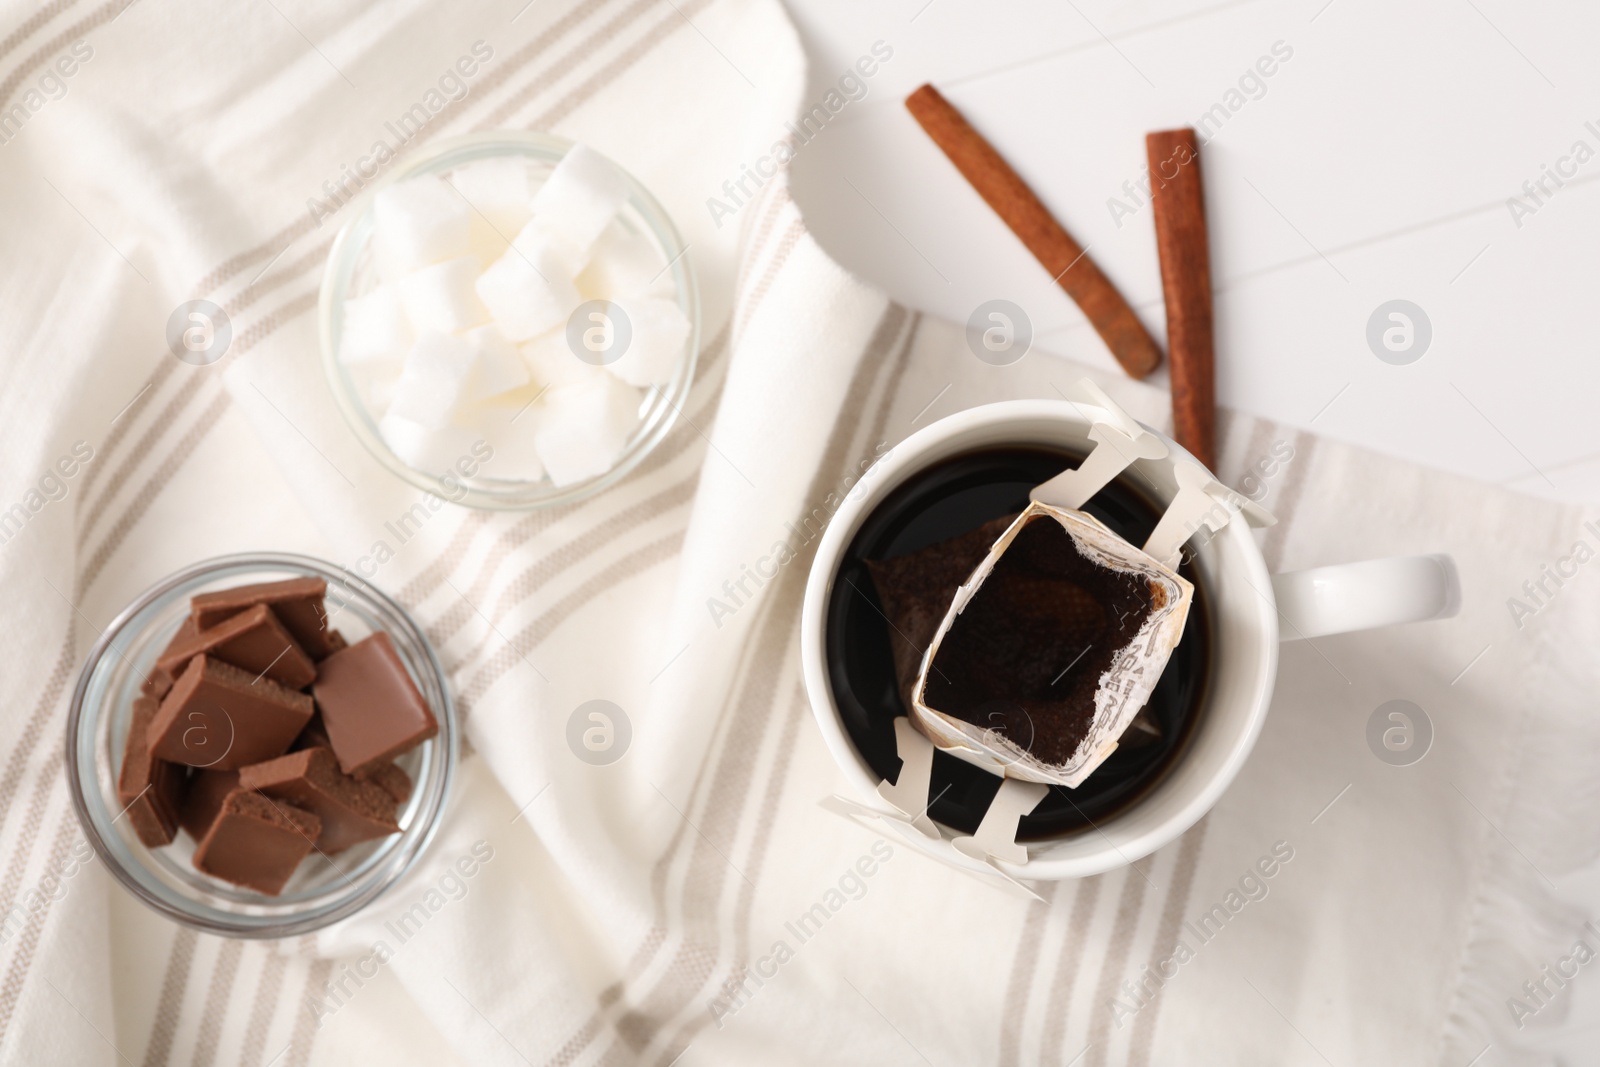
x,y
664,27
656,939
768,209
531,636
302,225
767,815
305,1023
141,451
33,23
153,485
1024,962
703,886
99,17
779,773
434,575
219,989
170,416
28,943
17,761
638,1026
769,201
125,421
263,1006
551,565
580,1040
44,787
617,1054
777,777
1144,1025
719,821
173,983
1069,962
1114,965
1288,501
891,388
194,381
553,73
291,271
746,312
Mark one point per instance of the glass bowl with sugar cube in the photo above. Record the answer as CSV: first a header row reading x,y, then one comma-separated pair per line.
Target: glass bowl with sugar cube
x,y
509,320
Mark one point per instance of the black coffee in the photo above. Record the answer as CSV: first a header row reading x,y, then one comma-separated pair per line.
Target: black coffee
x,y
947,504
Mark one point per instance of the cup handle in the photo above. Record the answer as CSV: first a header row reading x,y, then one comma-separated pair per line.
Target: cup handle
x,y
1360,596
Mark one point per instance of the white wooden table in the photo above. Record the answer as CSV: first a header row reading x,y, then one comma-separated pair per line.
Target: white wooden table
x,y
1379,161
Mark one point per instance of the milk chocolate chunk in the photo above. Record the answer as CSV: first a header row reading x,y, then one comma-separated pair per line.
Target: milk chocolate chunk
x,y
351,811
219,716
150,790
256,842
297,602
370,706
1025,656
386,774
315,735
203,802
159,680
390,778
253,640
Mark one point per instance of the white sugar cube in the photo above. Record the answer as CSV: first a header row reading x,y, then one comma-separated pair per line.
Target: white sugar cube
x,y
434,380
498,191
659,330
375,382
418,222
511,423
578,201
552,363
375,327
622,265
584,428
443,298
528,290
498,366
435,449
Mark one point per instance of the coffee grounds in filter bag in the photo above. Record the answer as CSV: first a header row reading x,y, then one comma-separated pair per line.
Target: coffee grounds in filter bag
x,y
1026,656
1034,642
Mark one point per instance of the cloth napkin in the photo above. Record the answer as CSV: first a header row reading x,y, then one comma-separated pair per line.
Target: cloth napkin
x,y
651,910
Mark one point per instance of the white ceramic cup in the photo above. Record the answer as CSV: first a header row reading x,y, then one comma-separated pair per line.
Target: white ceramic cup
x,y
1248,607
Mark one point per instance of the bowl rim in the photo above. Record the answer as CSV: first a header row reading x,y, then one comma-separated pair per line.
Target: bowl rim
x,y
531,495
381,878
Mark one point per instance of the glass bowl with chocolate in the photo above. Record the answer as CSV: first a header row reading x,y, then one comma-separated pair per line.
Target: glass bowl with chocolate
x,y
260,745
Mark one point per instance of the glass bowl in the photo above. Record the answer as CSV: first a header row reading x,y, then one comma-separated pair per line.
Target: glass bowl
x,y
322,890
352,272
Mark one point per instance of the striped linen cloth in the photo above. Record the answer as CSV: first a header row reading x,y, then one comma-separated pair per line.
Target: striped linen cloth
x,y
691,902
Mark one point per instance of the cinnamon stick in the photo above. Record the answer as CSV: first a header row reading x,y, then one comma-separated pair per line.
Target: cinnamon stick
x,y
1005,191
1178,195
